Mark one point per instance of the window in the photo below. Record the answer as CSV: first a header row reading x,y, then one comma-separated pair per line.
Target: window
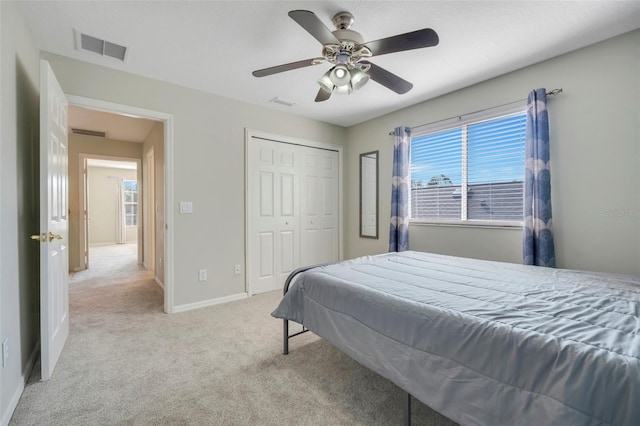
x,y
471,172
131,202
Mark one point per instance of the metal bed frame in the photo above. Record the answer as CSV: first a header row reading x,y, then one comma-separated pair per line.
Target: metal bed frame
x,y
286,336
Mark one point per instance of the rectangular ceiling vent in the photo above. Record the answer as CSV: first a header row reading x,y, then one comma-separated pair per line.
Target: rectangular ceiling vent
x,y
101,47
86,132
283,101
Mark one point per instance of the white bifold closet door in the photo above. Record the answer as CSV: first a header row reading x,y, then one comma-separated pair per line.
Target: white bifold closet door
x,y
292,210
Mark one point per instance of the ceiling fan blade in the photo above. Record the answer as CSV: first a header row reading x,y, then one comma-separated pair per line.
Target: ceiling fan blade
x,y
314,26
408,41
388,79
285,67
322,95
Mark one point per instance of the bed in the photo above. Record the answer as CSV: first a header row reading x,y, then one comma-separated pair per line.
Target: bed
x,y
484,343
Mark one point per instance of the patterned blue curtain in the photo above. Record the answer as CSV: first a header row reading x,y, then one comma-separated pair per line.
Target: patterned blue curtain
x,y
399,231
538,237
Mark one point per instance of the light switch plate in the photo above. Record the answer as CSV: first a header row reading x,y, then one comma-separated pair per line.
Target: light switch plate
x,y
186,207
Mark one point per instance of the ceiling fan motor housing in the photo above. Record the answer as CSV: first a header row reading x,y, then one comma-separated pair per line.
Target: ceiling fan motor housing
x,y
350,41
342,20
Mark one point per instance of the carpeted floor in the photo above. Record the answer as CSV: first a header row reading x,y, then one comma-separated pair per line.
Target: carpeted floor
x,y
109,264
127,363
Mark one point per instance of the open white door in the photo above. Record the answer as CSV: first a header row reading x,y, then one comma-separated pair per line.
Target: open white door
x,y
54,237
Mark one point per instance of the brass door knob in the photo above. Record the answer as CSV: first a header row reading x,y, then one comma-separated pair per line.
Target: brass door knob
x,y
52,236
43,237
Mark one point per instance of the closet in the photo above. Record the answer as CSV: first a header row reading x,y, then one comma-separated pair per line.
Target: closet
x,y
293,208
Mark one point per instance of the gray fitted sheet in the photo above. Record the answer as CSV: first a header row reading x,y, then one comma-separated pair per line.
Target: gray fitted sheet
x,y
484,343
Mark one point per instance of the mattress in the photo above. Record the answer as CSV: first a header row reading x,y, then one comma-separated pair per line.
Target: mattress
x,y
484,343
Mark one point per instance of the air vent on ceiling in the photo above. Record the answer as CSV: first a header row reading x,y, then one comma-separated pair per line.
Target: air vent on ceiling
x,y
283,101
77,131
99,46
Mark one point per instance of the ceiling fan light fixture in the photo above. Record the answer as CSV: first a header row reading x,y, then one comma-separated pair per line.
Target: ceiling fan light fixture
x,y
358,78
325,81
345,89
340,75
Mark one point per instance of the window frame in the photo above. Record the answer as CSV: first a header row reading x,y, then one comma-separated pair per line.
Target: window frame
x,y
126,203
488,114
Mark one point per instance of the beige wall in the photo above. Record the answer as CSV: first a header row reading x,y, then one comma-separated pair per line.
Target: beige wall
x,y
595,160
208,166
103,204
19,208
81,144
155,140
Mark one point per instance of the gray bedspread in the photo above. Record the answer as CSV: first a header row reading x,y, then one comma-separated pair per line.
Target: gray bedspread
x,y
484,343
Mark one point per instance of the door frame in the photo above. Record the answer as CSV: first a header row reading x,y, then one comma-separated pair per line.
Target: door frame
x,y
149,209
250,133
82,193
167,120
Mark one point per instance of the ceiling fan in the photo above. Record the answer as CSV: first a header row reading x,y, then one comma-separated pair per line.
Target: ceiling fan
x,y
347,51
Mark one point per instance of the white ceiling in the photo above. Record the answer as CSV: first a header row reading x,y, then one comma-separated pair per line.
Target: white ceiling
x,y
117,127
214,45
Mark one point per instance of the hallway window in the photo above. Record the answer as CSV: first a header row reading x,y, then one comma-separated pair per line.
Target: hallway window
x,y
131,202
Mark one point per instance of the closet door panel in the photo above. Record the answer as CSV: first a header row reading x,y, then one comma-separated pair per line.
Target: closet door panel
x,y
263,201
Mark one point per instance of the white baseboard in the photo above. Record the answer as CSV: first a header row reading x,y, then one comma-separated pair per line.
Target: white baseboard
x,y
160,283
210,302
6,416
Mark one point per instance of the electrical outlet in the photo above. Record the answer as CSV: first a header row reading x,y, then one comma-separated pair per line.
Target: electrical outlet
x,y
5,351
202,275
237,269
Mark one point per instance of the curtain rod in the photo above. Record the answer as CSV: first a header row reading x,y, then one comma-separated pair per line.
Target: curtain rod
x,y
550,93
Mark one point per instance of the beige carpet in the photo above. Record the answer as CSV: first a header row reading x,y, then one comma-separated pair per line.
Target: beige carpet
x,y
109,264
127,363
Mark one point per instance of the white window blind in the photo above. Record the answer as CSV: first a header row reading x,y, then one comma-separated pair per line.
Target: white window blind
x,y
471,172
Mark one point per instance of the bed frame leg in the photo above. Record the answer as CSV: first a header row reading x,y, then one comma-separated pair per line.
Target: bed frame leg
x,y
407,409
285,337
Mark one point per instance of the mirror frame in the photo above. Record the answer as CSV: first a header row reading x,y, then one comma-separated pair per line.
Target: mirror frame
x,y
377,189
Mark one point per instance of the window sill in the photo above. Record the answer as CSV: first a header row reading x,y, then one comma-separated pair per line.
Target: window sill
x,y
470,224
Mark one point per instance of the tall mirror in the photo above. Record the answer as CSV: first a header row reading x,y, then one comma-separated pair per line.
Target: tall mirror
x,y
369,195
